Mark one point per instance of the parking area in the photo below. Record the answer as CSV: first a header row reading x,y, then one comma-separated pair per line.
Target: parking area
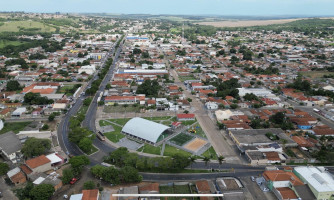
x,y
254,189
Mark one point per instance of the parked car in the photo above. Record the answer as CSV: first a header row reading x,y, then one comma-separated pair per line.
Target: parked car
x,y
252,178
74,180
265,189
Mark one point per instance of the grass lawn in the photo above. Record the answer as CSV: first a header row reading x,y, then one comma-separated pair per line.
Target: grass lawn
x,y
120,121
66,89
83,110
188,123
115,135
4,43
170,151
181,189
166,190
104,123
150,149
120,109
199,130
158,118
185,78
211,153
181,139
316,74
93,150
16,127
16,26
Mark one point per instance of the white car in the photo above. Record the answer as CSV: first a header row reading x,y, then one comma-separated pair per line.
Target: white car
x,y
252,178
265,189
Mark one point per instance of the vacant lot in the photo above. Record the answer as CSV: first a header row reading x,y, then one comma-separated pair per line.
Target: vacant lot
x,y
15,26
170,151
244,23
16,127
4,43
181,139
316,74
150,149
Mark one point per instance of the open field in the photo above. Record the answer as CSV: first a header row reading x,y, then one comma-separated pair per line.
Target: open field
x,y
170,151
15,26
245,23
150,149
115,135
316,74
181,139
4,43
16,127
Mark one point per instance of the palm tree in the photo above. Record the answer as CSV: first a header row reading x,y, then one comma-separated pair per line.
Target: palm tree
x,y
220,160
206,160
192,160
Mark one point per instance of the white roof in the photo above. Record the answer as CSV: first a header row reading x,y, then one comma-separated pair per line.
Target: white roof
x,y
76,197
317,177
39,181
54,158
13,172
144,129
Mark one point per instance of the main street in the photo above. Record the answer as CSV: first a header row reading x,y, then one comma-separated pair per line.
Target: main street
x,y
63,126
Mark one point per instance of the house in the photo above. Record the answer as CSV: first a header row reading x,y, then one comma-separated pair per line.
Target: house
x,y
42,178
5,113
88,69
205,187
211,105
16,176
152,188
185,117
10,146
86,195
39,164
128,190
18,112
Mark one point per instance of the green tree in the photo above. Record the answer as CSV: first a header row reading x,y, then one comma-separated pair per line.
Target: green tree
x,y
13,85
192,160
130,175
35,147
51,117
149,88
78,162
111,175
67,176
89,185
4,168
86,145
42,192
24,193
220,160
206,160
98,170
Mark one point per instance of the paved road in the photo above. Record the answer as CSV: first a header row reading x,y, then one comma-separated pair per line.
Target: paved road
x,y
63,127
215,136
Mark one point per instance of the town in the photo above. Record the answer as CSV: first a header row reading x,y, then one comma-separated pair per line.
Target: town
x,y
98,107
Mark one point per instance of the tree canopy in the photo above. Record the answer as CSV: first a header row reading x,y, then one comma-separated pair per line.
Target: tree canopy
x,y
35,147
149,88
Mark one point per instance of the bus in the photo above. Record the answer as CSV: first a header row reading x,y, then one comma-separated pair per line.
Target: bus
x,y
101,136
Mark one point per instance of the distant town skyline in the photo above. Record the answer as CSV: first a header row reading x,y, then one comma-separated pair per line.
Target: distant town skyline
x,y
178,7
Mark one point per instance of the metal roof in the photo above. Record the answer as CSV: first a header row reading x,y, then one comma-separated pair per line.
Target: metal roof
x,y
144,129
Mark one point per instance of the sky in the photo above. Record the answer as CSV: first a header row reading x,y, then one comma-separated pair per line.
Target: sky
x,y
183,7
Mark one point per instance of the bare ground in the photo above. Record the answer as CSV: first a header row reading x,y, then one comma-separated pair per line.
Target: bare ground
x,y
244,23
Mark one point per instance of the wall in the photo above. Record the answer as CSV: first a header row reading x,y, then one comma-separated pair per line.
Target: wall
x,y
42,168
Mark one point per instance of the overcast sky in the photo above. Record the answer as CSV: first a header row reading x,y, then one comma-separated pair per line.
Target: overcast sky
x,y
187,7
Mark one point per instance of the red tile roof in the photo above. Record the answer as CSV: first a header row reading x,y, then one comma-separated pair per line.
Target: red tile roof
x,y
38,161
90,194
185,116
